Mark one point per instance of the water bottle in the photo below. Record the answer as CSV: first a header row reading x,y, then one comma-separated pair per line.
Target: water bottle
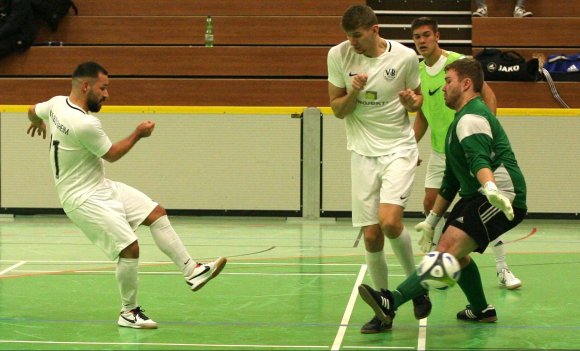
x,y
208,32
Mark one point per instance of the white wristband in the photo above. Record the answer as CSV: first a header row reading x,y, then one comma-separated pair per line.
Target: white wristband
x,y
432,219
490,186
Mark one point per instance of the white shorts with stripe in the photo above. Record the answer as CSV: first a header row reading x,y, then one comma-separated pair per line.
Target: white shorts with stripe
x,y
435,170
380,180
110,216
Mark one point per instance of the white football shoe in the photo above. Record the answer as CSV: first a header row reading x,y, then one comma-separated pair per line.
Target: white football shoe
x,y
508,280
204,272
135,318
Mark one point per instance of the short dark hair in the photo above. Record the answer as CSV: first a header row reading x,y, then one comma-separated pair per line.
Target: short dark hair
x,y
468,67
89,69
358,16
425,21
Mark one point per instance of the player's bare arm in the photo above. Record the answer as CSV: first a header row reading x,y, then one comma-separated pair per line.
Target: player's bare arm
x,y
37,125
343,103
411,99
420,125
441,205
489,98
121,148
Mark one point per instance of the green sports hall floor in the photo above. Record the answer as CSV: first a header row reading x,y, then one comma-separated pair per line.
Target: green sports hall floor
x,y
288,285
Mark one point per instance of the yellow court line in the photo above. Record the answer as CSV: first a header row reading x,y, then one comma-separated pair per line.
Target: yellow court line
x,y
539,112
287,110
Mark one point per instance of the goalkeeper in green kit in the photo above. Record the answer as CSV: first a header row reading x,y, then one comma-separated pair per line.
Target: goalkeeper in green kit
x,y
481,167
438,117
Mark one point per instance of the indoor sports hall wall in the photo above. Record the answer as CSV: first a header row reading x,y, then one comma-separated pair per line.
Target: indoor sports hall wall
x,y
543,141
199,162
208,159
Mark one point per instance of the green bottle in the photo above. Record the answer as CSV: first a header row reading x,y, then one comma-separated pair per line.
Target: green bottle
x,y
208,32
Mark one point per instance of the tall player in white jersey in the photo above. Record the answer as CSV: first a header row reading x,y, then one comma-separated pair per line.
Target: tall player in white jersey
x,y
373,83
106,211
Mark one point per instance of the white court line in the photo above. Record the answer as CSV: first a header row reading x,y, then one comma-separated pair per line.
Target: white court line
x,y
14,266
380,347
161,344
349,308
178,273
229,263
422,338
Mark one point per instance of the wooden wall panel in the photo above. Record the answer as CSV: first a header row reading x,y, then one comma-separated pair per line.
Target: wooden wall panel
x,y
252,92
182,61
540,8
525,32
214,7
179,92
190,30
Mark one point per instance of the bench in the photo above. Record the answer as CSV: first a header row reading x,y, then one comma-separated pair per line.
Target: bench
x,y
172,61
525,32
540,8
179,92
190,30
534,94
214,7
528,53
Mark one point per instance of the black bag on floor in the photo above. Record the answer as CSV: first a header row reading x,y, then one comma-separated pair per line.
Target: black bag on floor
x,y
17,26
507,66
52,11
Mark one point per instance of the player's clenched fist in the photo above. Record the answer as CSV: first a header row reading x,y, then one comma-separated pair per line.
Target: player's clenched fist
x,y
144,129
359,81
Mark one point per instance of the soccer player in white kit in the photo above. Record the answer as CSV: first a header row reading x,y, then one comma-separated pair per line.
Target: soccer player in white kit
x,y
373,83
106,211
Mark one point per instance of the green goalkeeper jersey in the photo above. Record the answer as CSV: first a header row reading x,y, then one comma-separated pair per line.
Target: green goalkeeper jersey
x,y
476,140
438,115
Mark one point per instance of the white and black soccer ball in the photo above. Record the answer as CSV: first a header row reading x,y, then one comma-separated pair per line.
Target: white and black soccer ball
x,y
438,270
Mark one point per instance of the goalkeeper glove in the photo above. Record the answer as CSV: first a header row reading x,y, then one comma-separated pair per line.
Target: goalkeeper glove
x,y
427,228
497,200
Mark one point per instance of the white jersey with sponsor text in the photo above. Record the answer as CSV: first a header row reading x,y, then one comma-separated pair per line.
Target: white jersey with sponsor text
x,y
77,144
379,124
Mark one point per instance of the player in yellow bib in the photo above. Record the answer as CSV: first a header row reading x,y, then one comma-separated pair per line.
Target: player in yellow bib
x,y
436,115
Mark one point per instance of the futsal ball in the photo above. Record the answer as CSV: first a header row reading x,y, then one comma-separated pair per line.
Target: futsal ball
x,y
438,270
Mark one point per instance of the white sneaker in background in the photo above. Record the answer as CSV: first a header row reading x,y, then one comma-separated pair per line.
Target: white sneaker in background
x,y
507,280
521,12
480,12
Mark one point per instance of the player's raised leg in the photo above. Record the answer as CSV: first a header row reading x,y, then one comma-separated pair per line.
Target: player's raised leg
x,y
196,274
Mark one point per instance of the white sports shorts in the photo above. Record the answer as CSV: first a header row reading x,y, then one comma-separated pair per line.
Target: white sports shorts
x,y
110,216
380,180
435,170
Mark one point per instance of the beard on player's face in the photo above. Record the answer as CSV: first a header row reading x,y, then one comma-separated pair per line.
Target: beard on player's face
x,y
94,102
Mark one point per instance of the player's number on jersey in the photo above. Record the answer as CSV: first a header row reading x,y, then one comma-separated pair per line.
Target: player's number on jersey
x,y
55,151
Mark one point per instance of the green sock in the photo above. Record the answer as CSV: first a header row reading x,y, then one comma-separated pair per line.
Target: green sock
x,y
470,283
408,290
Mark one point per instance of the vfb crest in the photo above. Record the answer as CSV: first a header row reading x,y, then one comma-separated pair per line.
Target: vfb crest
x,y
390,73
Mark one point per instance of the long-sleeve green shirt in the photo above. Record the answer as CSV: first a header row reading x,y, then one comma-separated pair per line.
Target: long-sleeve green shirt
x,y
476,140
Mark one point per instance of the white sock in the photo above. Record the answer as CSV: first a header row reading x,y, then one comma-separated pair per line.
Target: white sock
x,y
499,252
403,249
167,240
377,266
127,275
